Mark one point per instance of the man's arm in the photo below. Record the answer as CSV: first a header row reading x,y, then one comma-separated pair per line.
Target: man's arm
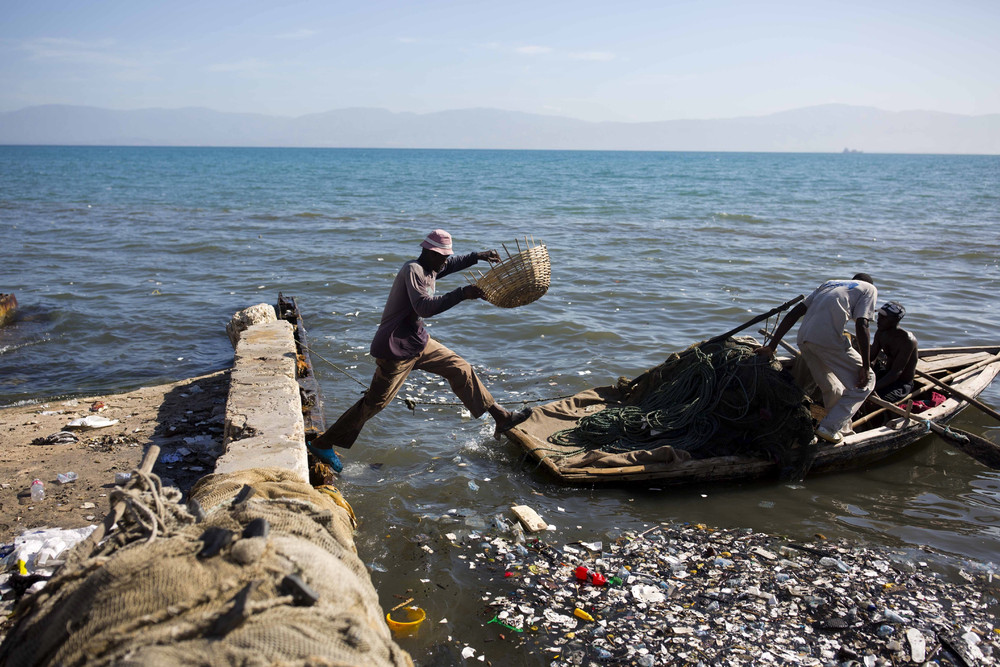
x,y
900,359
425,305
786,323
459,262
876,347
863,336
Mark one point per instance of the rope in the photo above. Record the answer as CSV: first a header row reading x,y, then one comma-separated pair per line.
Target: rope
x,y
312,351
411,403
149,507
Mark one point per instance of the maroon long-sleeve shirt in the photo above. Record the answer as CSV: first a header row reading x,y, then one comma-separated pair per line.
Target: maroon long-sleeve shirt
x,y
401,333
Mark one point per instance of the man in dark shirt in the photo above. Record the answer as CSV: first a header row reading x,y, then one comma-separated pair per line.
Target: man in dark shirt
x,y
402,344
895,377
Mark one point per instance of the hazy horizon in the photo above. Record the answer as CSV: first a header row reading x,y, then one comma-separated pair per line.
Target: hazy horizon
x,y
824,129
498,109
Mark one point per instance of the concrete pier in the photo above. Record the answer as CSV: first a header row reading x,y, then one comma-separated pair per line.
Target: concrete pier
x,y
264,425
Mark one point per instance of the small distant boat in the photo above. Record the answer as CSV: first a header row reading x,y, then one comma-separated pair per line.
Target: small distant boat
x,y
8,304
969,370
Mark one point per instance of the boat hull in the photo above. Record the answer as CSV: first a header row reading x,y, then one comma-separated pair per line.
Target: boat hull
x,y
973,368
8,304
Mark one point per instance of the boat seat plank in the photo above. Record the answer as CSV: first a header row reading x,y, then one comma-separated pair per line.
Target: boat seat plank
x,y
944,362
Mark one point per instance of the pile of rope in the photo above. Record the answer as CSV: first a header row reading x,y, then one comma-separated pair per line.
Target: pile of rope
x,y
713,399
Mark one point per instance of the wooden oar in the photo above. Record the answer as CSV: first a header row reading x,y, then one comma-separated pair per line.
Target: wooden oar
x,y
759,318
965,397
981,449
923,386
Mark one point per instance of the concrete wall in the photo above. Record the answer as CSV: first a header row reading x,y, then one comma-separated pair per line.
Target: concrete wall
x,y
264,425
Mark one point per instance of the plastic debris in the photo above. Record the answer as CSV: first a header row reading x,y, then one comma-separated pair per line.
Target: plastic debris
x,y
37,551
66,477
529,517
91,421
691,594
60,438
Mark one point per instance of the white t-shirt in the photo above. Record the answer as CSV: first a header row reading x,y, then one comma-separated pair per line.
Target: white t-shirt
x,y
831,306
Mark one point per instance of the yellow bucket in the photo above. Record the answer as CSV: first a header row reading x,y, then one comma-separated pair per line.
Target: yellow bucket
x,y
408,625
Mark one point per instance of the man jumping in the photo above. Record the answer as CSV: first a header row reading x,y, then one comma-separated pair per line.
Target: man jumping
x,y
402,344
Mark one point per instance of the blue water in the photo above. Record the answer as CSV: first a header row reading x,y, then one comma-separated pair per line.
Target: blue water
x,y
128,262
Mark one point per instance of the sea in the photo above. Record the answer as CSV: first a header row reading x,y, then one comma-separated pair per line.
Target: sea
x,y
129,261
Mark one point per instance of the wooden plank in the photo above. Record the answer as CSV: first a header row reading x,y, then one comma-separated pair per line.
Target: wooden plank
x,y
529,518
935,351
943,362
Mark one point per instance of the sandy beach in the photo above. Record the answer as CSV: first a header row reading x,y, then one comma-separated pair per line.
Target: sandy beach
x,y
185,419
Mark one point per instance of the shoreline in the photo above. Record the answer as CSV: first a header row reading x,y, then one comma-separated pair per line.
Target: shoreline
x,y
184,418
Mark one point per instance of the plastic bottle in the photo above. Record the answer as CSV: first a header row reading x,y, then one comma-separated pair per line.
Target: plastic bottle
x,y
835,562
892,616
37,490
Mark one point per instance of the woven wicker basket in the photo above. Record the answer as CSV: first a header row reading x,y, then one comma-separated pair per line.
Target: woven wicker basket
x,y
519,279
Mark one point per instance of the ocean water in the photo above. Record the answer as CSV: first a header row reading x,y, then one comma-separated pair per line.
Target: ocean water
x,y
128,262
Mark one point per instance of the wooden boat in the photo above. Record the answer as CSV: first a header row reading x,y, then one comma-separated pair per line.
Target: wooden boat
x,y
8,304
877,435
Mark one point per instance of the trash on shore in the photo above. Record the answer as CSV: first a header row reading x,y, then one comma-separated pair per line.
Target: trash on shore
x,y
60,438
28,563
689,594
91,421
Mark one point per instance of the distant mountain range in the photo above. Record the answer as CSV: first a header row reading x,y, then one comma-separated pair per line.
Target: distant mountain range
x,y
824,129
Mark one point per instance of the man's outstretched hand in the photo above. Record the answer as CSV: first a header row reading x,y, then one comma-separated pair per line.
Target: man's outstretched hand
x,y
491,256
473,292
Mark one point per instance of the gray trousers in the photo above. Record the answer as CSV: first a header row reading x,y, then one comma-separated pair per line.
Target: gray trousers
x,y
835,371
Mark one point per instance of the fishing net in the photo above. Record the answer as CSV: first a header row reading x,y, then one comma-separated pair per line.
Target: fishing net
x,y
713,399
262,572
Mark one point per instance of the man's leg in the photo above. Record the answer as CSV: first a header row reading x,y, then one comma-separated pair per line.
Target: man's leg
x,y
460,375
470,390
825,379
845,364
389,377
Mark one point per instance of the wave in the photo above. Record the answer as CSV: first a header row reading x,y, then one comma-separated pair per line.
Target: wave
x,y
13,347
740,217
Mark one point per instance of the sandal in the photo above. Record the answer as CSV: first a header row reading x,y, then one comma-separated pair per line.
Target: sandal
x,y
326,456
513,420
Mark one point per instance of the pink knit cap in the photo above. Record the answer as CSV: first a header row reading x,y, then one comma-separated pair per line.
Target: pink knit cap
x,y
439,241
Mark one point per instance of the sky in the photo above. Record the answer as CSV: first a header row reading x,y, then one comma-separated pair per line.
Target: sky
x,y
632,61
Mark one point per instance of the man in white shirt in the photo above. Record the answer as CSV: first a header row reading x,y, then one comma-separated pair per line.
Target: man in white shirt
x,y
842,373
